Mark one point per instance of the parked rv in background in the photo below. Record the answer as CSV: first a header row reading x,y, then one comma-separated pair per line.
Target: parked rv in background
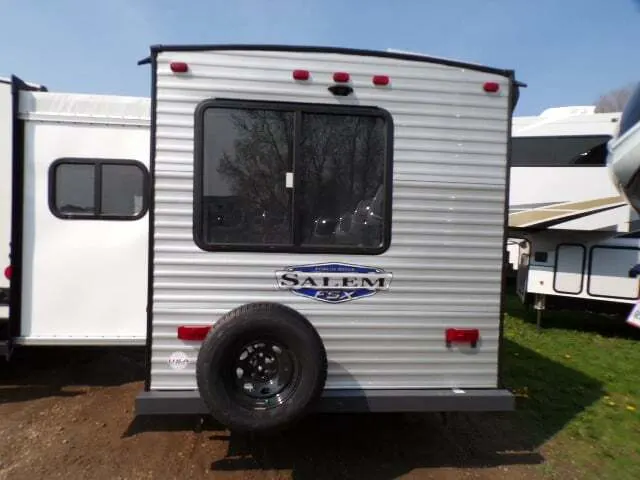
x,y
578,234
73,208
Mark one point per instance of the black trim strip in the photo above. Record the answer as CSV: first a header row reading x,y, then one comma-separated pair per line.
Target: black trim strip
x,y
17,207
189,402
298,109
294,153
152,202
555,268
97,163
607,247
24,85
155,49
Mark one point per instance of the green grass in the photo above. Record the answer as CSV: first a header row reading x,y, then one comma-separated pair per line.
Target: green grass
x,y
580,382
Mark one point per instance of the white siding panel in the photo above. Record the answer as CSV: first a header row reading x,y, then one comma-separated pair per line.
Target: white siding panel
x,y
446,252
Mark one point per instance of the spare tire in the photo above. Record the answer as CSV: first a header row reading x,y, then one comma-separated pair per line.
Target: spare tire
x,y
261,367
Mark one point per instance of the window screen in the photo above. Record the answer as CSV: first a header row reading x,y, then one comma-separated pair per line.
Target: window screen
x,y
292,177
97,189
559,151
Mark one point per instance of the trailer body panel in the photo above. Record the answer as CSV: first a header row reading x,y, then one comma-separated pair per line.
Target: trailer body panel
x,y
84,237
447,228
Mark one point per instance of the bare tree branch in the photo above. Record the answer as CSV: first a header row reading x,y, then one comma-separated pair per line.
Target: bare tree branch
x,y
615,100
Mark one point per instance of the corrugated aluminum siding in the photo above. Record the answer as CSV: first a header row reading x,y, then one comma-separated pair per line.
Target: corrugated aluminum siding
x,y
447,241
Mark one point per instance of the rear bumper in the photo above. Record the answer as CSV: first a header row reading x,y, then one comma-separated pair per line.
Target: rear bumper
x,y
159,402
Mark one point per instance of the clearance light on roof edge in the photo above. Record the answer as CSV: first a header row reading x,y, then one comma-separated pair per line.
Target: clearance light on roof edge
x,y
301,74
8,272
198,332
380,80
491,87
179,67
341,77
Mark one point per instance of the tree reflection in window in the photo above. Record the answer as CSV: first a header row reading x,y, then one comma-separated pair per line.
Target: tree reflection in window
x,y
342,168
246,157
337,197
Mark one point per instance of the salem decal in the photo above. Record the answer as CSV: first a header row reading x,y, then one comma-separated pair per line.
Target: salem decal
x,y
333,282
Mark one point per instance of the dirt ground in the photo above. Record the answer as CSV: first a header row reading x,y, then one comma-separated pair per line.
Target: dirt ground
x,y
69,414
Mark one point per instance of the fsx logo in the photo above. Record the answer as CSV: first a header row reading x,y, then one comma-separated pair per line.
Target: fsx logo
x,y
333,282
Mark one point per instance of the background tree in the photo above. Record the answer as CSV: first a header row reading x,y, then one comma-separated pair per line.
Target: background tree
x,y
615,100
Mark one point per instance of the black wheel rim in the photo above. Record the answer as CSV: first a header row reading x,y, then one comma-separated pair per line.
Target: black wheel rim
x,y
262,374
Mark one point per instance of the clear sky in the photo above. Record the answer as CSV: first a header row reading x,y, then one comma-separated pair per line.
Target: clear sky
x,y
567,51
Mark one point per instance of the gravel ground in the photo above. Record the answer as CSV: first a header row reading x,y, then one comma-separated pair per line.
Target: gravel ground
x,y
68,413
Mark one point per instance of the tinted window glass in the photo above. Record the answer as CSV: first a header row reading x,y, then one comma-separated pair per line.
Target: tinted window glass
x,y
342,170
246,159
97,189
559,151
122,190
75,189
631,113
292,177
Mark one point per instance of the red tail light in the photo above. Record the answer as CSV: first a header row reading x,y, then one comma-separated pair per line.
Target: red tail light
x,y
8,272
380,80
491,87
458,335
179,67
301,75
340,77
199,332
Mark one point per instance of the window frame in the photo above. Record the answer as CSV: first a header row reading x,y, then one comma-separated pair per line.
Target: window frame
x,y
97,164
554,138
298,109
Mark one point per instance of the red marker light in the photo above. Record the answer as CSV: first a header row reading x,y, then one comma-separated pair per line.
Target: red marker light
x,y
457,335
341,77
380,80
491,87
8,272
179,67
193,332
301,75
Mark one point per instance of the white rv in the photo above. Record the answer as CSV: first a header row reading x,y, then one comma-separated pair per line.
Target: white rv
x,y
579,231
73,217
326,232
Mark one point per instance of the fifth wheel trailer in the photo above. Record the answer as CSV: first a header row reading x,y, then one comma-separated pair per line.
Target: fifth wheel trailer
x,y
73,218
580,234
326,232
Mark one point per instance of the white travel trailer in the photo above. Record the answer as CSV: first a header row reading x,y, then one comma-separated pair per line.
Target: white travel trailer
x,y
579,231
73,217
327,231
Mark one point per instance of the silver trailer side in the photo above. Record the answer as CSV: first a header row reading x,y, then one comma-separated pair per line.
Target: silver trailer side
x,y
350,207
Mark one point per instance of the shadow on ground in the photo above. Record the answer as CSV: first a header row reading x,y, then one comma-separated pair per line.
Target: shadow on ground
x,y
386,446
373,446
605,325
38,372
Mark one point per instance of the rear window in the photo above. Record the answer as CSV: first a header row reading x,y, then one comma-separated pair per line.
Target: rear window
x,y
99,189
291,177
559,151
631,113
